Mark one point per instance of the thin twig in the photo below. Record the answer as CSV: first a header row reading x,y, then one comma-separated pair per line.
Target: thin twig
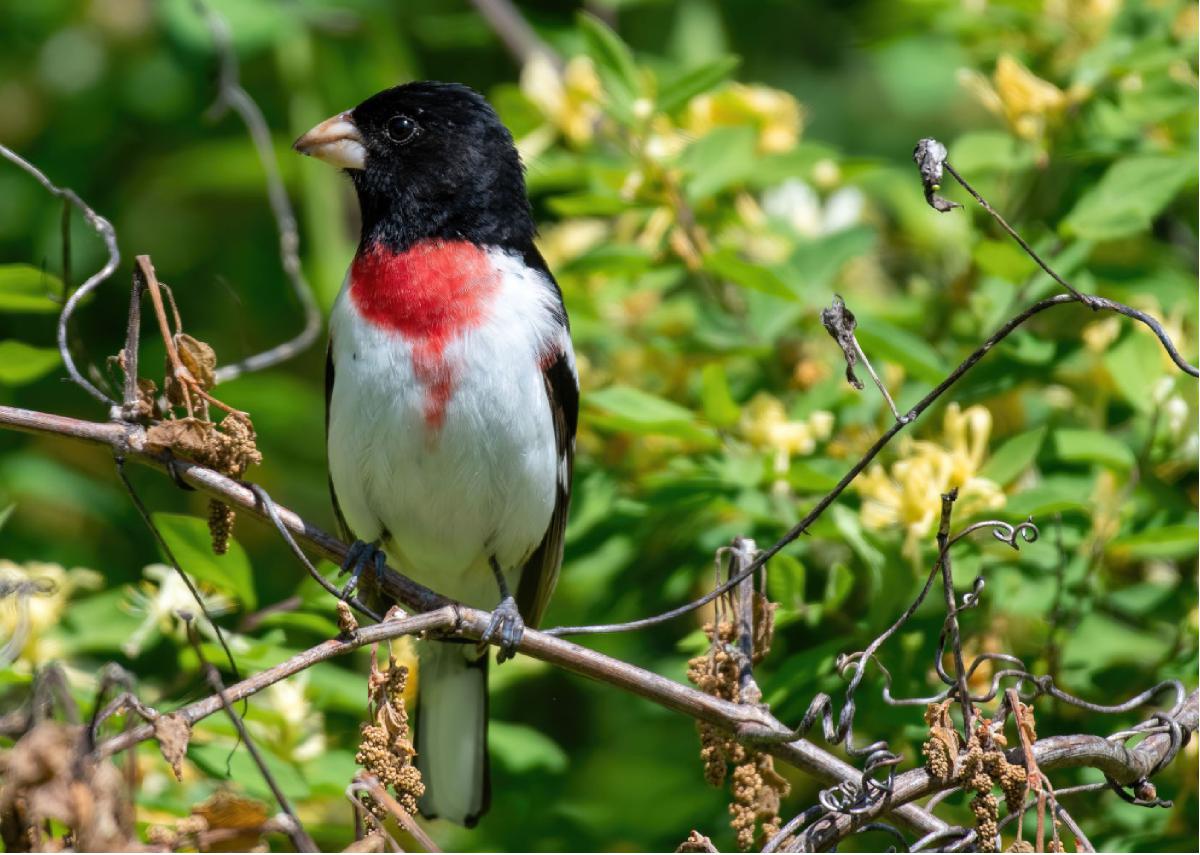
x,y
951,626
514,31
912,415
180,374
383,797
104,228
1087,299
1054,752
295,830
169,554
231,94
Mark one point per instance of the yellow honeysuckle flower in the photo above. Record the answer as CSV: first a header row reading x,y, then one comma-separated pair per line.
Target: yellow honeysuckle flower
x,y
765,425
1029,104
775,113
909,496
36,595
570,99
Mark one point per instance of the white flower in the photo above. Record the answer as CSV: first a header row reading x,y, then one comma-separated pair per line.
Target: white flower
x,y
797,203
160,604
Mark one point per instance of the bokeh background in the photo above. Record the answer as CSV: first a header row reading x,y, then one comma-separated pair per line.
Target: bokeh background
x,y
698,210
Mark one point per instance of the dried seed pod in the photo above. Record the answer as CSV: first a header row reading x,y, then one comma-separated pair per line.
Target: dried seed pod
x,y
220,525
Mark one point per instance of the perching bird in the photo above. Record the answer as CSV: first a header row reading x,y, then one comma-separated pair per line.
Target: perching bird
x,y
451,395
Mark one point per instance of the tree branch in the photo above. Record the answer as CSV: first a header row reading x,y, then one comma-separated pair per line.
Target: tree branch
x,y
1124,765
440,614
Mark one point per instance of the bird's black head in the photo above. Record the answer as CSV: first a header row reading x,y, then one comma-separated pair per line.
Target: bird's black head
x,y
429,160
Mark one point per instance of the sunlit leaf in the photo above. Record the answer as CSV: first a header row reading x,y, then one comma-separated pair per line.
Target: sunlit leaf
x,y
626,408
676,92
24,288
1129,196
191,544
726,264
22,363
1014,456
1092,446
522,749
614,63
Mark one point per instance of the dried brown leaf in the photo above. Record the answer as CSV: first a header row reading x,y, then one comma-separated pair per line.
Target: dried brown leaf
x,y
173,733
198,358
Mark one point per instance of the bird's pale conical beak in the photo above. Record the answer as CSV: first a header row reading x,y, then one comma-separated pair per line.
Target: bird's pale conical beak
x,y
337,141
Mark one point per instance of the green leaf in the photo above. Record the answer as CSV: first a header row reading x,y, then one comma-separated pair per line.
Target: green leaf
x,y
191,543
522,749
331,773
22,363
727,265
1004,259
818,261
719,159
1170,541
1092,446
719,406
991,151
1134,365
881,340
24,288
1128,197
677,91
614,64
1099,641
6,513
626,408
1012,458
838,585
217,762
785,581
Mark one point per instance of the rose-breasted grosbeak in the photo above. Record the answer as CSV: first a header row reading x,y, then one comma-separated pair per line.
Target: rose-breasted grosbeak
x,y
451,394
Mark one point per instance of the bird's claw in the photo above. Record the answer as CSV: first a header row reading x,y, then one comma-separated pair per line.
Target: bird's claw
x,y
506,628
358,556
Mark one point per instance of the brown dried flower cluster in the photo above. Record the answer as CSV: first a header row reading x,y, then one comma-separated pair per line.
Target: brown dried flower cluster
x,y
47,784
757,788
976,768
228,447
385,749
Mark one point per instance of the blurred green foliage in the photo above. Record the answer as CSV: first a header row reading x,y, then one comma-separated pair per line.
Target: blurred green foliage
x,y
697,226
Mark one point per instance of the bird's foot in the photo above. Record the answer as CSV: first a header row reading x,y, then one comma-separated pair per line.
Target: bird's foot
x,y
506,628
358,557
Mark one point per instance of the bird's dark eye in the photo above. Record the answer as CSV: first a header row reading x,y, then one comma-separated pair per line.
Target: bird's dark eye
x,y
401,129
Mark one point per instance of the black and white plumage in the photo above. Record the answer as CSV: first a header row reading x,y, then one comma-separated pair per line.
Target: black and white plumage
x,y
452,396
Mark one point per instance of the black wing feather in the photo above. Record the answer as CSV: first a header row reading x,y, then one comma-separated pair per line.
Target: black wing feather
x,y
541,569
343,528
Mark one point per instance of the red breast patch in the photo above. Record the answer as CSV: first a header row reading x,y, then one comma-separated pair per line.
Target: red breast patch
x,y
430,294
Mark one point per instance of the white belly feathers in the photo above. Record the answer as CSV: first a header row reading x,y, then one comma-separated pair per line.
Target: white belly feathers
x,y
482,482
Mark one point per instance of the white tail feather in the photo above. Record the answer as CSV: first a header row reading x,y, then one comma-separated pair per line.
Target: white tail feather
x,y
452,732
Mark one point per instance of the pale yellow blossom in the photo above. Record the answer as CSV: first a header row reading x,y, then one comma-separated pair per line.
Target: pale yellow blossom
x,y
1030,105
908,496
570,99
36,596
774,113
765,424
1098,335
